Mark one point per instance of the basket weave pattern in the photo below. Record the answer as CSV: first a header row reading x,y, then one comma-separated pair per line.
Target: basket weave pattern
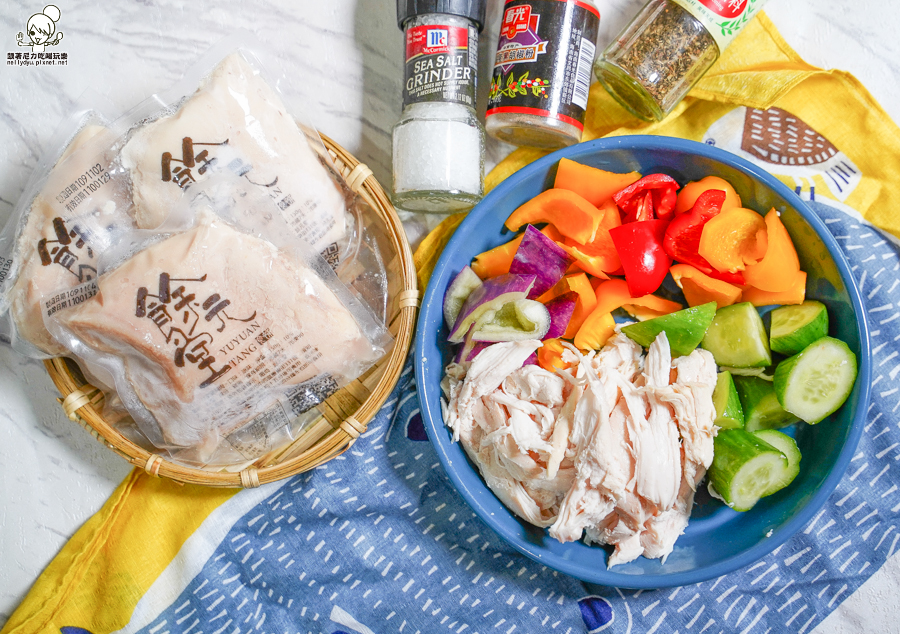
x,y
345,414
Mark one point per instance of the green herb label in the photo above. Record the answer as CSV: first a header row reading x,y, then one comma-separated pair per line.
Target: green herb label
x,y
544,59
439,66
724,19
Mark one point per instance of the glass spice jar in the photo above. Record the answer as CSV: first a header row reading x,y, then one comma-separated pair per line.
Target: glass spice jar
x,y
666,49
542,72
438,143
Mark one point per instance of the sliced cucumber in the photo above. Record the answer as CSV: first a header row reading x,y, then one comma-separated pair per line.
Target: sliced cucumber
x,y
729,414
815,383
744,468
788,446
684,329
737,337
760,404
758,372
795,327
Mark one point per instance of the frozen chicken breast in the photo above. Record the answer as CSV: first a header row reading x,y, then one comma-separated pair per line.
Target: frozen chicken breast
x,y
210,324
58,248
235,122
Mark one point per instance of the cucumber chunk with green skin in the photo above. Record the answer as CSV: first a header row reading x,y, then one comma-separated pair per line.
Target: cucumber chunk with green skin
x,y
737,337
761,407
767,374
729,414
744,468
788,446
684,328
795,327
814,383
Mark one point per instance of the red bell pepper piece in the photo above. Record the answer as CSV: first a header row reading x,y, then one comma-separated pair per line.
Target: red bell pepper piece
x,y
654,190
682,239
644,259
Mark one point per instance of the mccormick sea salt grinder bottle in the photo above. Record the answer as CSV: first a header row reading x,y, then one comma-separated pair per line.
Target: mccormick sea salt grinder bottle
x,y
438,153
667,48
542,72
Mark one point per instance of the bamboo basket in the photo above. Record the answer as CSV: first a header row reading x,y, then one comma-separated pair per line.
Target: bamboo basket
x,y
345,413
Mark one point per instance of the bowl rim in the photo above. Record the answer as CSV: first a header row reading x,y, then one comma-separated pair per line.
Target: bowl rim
x,y
433,299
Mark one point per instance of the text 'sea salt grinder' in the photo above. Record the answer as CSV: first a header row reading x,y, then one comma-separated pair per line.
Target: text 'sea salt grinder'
x,y
667,48
438,141
542,72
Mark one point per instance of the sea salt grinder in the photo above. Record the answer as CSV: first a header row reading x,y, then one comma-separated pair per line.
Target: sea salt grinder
x,y
438,143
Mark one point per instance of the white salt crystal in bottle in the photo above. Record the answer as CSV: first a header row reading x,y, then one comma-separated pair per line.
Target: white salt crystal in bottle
x,y
438,153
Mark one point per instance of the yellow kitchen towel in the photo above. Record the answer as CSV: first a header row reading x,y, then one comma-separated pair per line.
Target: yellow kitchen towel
x,y
760,101
809,127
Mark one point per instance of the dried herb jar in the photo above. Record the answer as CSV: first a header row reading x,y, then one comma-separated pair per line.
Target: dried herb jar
x,y
666,49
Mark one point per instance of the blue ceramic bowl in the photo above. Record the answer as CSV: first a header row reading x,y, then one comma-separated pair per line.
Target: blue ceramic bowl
x,y
717,540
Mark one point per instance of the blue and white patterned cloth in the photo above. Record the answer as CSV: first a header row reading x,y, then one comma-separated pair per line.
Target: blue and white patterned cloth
x,y
377,540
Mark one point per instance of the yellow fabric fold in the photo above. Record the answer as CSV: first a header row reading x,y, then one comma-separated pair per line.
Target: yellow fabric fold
x,y
102,572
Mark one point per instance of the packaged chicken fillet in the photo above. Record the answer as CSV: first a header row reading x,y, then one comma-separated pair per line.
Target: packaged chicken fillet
x,y
219,330
230,106
70,212
223,117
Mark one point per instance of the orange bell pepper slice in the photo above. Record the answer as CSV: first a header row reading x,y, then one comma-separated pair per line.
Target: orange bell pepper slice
x,y
595,185
691,192
777,270
596,331
550,355
795,294
699,288
575,217
599,256
553,233
734,239
498,260
584,305
612,294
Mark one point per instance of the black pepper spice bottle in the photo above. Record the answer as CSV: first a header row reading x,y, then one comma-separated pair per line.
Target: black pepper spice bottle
x,y
542,72
667,48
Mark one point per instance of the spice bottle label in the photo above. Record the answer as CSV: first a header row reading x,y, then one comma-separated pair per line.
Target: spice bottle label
x,y
544,58
439,66
724,19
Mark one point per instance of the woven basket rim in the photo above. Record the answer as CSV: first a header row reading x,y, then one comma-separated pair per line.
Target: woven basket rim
x,y
81,402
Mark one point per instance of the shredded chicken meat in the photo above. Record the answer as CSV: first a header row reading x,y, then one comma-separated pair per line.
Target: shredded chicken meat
x,y
610,450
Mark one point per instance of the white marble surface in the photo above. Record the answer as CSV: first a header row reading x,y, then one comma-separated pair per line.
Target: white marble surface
x,y
344,61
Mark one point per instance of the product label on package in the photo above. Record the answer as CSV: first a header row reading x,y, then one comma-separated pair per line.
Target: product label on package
x,y
544,59
441,64
70,298
724,19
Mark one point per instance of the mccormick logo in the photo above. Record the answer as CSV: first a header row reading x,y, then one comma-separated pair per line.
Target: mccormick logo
x,y
40,33
436,38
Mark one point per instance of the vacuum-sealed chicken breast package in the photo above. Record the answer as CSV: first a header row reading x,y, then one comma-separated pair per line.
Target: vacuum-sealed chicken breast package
x,y
235,113
203,262
54,241
216,338
222,118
